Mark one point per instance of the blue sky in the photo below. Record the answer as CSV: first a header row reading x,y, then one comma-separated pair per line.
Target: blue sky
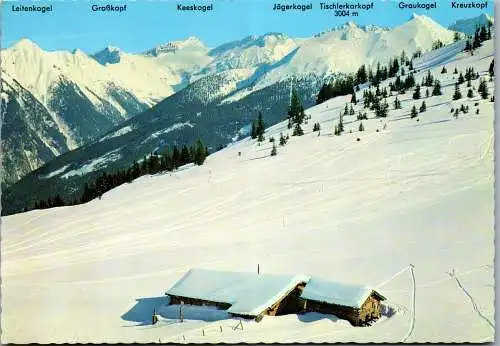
x,y
148,23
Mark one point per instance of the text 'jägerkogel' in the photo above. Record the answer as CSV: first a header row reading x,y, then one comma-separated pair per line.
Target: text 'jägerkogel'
x,y
292,7
109,8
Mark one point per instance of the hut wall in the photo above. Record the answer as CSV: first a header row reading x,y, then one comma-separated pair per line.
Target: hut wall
x,y
289,304
370,309
343,312
200,302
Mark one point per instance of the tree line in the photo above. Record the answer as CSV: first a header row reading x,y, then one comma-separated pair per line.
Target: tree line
x,y
169,160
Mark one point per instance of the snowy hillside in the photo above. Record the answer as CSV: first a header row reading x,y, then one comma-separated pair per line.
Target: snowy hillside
x,y
358,208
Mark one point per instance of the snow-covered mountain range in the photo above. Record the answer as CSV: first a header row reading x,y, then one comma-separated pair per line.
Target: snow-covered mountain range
x,y
82,97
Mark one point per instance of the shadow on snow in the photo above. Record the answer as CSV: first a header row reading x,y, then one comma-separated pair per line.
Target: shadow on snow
x,y
142,311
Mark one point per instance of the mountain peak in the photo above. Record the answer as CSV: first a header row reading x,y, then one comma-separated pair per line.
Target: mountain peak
x,y
26,43
469,25
109,55
174,46
414,16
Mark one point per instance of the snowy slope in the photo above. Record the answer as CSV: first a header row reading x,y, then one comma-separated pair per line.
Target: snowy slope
x,y
358,212
468,26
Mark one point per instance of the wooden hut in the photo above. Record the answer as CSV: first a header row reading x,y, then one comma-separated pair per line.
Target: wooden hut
x,y
357,304
248,295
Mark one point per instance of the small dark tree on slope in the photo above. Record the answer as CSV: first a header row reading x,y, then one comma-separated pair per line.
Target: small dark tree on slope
x,y
361,127
414,112
282,139
253,132
416,93
436,91
260,127
274,151
397,103
457,95
423,107
483,89
297,130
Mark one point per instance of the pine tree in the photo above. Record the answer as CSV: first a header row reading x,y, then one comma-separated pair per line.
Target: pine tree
x,y
436,91
361,127
316,127
444,70
361,76
295,108
253,132
274,151
397,103
260,127
483,89
468,46
423,107
353,98
346,110
456,71
282,139
470,94
403,58
297,130
414,112
483,35
457,95
185,156
491,69
456,37
426,92
382,110
416,93
200,153
461,78
351,111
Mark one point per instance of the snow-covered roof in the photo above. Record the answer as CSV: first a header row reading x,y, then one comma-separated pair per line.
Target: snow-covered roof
x,y
248,293
336,293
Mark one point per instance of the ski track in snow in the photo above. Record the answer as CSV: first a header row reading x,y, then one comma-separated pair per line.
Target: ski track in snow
x,y
473,302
